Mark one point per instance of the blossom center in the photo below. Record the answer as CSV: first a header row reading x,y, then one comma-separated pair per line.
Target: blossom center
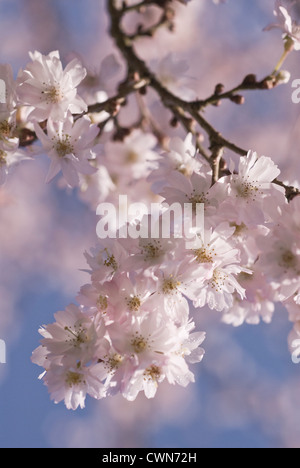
x,y
52,94
115,361
197,198
139,343
132,157
170,285
102,303
78,336
111,262
239,228
152,250
288,259
64,147
152,373
217,281
73,378
5,129
204,255
134,304
246,189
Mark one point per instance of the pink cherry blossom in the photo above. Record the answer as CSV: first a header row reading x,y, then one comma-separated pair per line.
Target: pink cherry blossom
x,y
280,252
95,84
156,350
292,305
49,89
156,273
285,22
171,72
73,336
10,155
252,193
221,263
181,156
72,384
70,146
136,152
258,303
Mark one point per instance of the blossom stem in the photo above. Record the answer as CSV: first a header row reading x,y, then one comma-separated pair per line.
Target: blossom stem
x,y
217,153
281,61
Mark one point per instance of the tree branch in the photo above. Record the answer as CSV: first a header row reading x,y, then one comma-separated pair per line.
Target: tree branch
x,y
170,100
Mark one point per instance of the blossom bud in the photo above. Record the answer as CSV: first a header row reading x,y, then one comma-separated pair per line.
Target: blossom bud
x,y
219,89
268,83
238,99
249,80
289,44
283,77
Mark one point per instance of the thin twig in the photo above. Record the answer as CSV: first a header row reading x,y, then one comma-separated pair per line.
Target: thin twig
x,y
216,157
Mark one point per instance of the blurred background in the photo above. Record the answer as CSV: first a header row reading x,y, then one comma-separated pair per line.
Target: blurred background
x,y
247,390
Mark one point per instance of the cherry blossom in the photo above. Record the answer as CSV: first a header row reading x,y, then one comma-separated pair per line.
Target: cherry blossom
x,y
258,303
50,90
94,87
221,263
10,156
256,199
195,190
137,321
171,72
72,384
280,252
136,152
180,156
73,336
289,27
155,350
70,147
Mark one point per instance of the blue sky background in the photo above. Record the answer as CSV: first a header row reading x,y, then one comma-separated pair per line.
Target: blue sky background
x,y
246,390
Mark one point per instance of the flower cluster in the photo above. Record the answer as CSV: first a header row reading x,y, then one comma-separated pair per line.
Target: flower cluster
x,y
135,323
43,103
136,320
10,151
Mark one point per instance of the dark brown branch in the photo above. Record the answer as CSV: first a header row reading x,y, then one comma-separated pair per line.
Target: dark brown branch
x,y
249,83
111,104
290,192
170,100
